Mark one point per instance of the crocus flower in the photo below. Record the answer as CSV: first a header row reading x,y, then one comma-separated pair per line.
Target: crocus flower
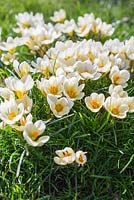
x,y
32,133
61,106
117,107
65,156
10,111
95,101
80,157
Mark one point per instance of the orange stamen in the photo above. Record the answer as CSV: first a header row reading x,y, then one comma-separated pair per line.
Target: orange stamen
x,y
11,115
59,107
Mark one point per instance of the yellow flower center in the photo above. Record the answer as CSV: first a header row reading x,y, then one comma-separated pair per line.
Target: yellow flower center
x,y
81,158
70,33
12,50
66,153
83,28
23,122
115,110
116,78
67,58
19,94
26,25
11,115
35,135
91,56
94,29
95,104
59,107
45,72
53,90
72,93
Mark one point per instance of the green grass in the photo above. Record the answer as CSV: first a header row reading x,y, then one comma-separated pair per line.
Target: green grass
x,y
109,171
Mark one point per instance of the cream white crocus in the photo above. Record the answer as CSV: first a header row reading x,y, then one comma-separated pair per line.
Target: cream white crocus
x,y
6,94
32,133
7,58
103,63
119,77
53,86
27,103
95,101
40,86
67,59
20,125
65,156
43,66
117,91
26,20
59,107
84,25
22,69
72,89
59,16
130,103
80,157
69,27
11,112
106,29
86,69
129,46
20,86
116,107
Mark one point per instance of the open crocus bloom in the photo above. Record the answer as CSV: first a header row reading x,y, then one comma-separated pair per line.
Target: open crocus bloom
x,y
6,93
10,112
59,16
95,101
72,90
60,106
130,103
86,69
7,58
22,122
103,63
65,156
33,131
22,69
119,77
69,27
27,103
80,157
42,65
84,25
117,91
26,20
20,86
53,86
117,107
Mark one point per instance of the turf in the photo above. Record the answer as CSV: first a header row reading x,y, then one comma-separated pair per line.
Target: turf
x,y
109,171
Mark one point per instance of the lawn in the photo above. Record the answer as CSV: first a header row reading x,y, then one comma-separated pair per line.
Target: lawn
x,y
30,173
